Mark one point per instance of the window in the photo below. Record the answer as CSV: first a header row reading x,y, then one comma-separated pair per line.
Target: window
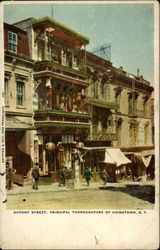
x,y
20,93
6,91
12,41
145,106
107,92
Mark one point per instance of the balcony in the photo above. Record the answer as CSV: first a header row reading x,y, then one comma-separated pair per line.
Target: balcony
x,y
102,103
52,118
136,113
58,71
102,136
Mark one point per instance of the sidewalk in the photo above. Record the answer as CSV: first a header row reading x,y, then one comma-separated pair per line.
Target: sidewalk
x,y
54,187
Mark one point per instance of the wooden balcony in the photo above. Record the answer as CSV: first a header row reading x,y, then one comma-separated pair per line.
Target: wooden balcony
x,y
49,118
47,68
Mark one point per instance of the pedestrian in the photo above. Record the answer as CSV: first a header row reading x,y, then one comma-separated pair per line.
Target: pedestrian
x,y
35,174
62,176
87,175
8,176
105,176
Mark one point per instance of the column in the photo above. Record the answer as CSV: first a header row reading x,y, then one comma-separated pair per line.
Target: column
x,y
77,167
44,161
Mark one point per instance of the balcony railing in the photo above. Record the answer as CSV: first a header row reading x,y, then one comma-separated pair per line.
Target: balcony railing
x,y
137,113
52,118
56,66
102,136
61,113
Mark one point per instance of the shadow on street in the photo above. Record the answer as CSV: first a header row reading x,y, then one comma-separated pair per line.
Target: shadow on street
x,y
145,192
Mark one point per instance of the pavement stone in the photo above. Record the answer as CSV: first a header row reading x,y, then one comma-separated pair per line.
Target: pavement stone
x,y
54,187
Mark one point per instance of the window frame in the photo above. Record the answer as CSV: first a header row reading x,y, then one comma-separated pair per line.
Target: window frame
x,y
11,43
6,91
20,94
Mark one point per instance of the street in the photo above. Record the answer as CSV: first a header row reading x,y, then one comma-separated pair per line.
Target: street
x,y
111,198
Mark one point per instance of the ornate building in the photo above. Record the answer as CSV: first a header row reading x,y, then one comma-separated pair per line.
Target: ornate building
x,y
79,96
60,79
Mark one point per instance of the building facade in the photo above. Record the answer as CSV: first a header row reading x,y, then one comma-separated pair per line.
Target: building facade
x,y
78,96
122,110
60,81
18,101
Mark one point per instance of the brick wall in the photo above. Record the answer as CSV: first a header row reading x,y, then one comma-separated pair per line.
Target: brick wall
x,y
22,40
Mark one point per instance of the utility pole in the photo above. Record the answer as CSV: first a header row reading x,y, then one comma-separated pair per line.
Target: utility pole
x,y
52,12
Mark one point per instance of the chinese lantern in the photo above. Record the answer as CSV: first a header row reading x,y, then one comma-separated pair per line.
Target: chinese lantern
x,y
48,87
79,96
50,146
60,146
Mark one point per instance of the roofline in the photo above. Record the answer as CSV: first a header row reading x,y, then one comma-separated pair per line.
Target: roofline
x,y
30,18
62,27
14,27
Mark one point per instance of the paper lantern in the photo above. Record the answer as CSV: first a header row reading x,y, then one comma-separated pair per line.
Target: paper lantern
x,y
49,91
50,146
60,146
79,96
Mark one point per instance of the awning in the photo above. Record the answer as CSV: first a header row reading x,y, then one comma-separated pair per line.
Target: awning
x,y
146,160
144,153
112,155
13,123
108,159
94,148
117,156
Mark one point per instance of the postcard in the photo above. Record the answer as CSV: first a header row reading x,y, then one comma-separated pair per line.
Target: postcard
x,y
79,114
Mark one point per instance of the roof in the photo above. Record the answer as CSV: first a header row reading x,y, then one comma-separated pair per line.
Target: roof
x,y
14,28
49,21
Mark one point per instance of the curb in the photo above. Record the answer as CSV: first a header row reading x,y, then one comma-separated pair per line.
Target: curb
x,y
98,187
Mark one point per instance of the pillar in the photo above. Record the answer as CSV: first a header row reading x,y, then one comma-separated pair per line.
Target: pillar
x,y
44,161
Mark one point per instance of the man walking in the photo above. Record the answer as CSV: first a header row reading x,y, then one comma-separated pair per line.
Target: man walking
x,y
8,176
105,176
35,174
87,175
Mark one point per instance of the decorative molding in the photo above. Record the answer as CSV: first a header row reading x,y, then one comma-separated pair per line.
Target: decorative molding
x,y
21,78
8,75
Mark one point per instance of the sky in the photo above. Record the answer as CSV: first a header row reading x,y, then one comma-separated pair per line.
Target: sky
x,y
129,28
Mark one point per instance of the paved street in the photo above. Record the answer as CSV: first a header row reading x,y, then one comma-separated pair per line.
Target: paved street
x,y
114,196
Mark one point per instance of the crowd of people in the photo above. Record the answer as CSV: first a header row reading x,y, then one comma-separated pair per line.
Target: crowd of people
x,y
64,176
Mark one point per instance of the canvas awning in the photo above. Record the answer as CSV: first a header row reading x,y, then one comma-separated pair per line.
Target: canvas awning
x,y
108,159
146,160
117,156
112,155
13,123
